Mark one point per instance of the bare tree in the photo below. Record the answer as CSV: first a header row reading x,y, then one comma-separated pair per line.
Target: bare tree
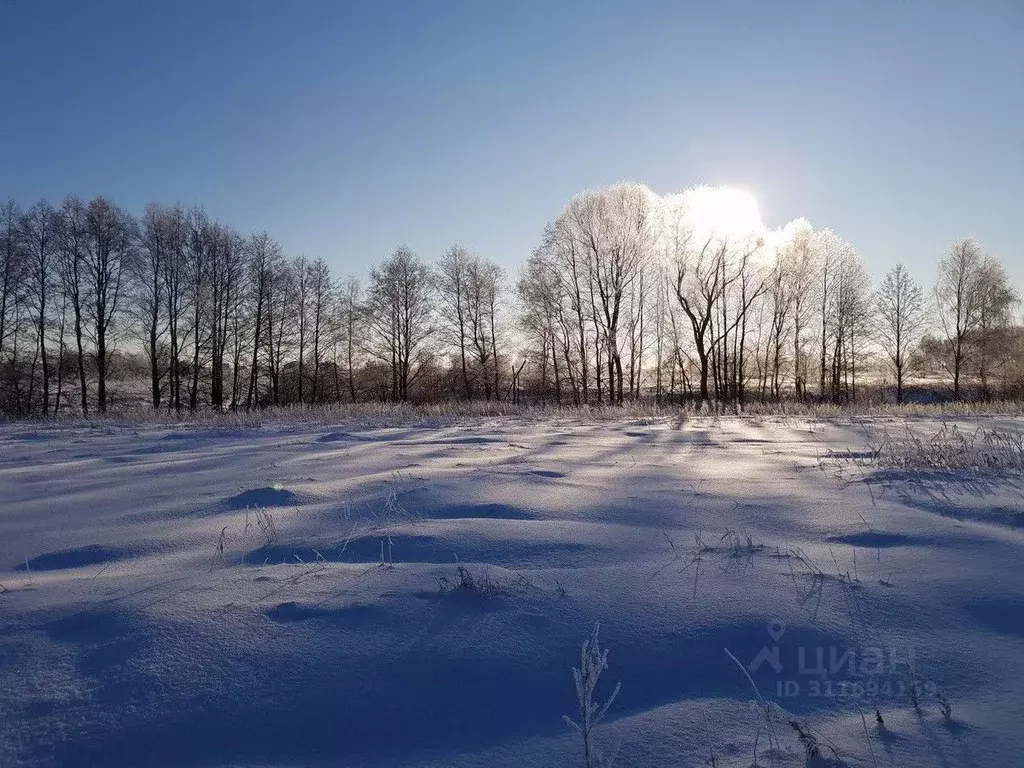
x,y
899,304
72,233
349,338
696,280
110,247
199,248
150,290
282,323
704,274
264,262
400,317
321,309
300,276
958,298
486,286
239,318
225,271
468,287
40,241
13,267
174,280
452,290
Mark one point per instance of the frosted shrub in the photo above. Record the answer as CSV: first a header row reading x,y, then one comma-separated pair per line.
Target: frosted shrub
x,y
593,661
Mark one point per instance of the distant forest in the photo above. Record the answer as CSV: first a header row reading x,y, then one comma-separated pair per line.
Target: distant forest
x,y
625,297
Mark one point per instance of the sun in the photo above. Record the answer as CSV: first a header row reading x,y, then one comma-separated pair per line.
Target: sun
x,y
724,212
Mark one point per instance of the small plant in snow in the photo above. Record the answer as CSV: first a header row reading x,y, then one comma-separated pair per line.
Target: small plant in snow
x,y
914,689
391,514
218,554
944,706
263,521
812,744
593,661
482,584
387,556
712,760
768,709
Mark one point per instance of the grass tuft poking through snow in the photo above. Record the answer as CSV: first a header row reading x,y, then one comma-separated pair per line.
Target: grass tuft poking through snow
x,y
483,583
811,743
984,451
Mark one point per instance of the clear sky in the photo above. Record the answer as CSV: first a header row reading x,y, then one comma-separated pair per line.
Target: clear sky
x,y
346,128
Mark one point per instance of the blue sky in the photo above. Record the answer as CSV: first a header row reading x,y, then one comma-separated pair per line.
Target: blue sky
x,y
346,128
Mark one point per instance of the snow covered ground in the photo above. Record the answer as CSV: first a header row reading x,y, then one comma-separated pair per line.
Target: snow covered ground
x,y
291,595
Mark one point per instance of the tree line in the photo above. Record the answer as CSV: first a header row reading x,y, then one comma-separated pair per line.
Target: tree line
x,y
628,295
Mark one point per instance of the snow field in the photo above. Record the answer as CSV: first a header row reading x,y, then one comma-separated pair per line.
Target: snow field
x,y
299,594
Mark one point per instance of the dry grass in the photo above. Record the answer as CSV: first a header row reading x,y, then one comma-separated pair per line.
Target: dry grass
x,y
377,414
981,451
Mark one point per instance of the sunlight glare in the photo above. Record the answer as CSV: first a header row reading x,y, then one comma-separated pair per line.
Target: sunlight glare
x,y
726,212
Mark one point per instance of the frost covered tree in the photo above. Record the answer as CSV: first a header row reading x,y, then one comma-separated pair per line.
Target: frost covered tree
x,y
612,230
899,319
845,305
995,302
957,300
548,338
626,289
799,265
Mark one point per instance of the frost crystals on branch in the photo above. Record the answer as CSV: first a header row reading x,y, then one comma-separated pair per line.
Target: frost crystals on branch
x,y
593,661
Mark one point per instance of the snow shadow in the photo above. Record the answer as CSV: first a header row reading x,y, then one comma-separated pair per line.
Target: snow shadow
x,y
997,614
434,549
460,685
345,437
487,511
270,496
92,554
347,616
958,495
880,540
